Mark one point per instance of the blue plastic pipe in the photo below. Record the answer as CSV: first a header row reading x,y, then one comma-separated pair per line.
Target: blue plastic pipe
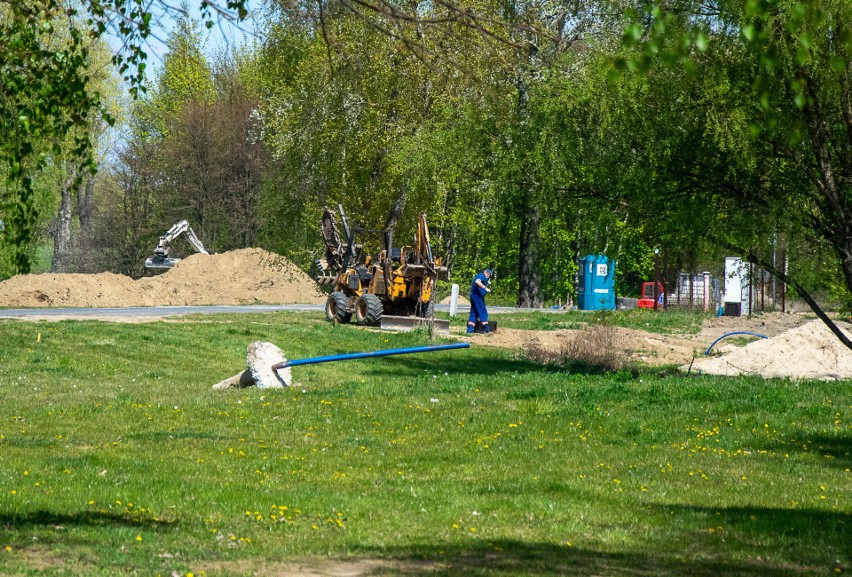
x,y
707,352
384,353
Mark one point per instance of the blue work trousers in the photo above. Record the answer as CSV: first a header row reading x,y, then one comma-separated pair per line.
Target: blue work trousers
x,y
478,310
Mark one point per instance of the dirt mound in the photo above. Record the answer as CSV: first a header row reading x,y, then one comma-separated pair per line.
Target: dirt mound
x,y
810,351
246,276
462,301
640,346
657,349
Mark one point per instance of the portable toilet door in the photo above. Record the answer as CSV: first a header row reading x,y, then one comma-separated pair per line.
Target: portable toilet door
x,y
597,283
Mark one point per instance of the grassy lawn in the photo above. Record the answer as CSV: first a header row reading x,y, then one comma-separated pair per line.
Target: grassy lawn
x,y
116,458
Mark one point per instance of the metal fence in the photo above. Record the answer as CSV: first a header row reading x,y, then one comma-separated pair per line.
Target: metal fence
x,y
699,290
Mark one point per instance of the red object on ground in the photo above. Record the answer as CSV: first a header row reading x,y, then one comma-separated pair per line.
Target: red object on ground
x,y
647,300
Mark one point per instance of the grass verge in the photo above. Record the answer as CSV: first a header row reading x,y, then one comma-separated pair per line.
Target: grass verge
x,y
117,458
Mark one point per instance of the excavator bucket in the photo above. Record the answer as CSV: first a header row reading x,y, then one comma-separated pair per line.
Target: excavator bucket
x,y
411,323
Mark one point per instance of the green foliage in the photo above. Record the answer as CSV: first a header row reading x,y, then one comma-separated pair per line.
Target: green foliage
x,y
44,98
767,84
45,201
184,79
47,100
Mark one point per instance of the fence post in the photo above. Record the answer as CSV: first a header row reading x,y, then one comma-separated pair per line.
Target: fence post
x,y
783,284
454,300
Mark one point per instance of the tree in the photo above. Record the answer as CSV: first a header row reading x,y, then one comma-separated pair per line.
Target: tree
x,y
45,98
769,89
70,252
453,57
341,100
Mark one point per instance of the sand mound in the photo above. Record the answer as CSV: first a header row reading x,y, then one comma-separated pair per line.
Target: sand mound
x,y
246,276
462,301
810,351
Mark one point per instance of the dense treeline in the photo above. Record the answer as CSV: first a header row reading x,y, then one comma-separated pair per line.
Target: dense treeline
x,y
531,133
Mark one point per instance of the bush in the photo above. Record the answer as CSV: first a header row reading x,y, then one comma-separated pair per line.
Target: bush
x,y
600,346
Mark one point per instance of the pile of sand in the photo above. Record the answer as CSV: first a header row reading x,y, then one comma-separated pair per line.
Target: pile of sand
x,y
246,276
462,301
810,351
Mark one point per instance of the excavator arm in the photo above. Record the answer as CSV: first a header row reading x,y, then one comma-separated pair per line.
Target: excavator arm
x,y
423,264
161,259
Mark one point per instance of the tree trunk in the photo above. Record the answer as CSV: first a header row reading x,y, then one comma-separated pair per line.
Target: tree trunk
x,y
85,206
62,233
84,257
529,272
398,206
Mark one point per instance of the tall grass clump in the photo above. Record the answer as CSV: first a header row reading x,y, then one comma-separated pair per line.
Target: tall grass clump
x,y
596,347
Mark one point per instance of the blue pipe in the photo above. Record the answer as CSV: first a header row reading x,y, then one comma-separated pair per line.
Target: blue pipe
x,y
384,353
707,352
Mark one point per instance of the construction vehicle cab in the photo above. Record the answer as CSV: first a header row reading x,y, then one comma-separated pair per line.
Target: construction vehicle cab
x,y
647,300
161,258
398,284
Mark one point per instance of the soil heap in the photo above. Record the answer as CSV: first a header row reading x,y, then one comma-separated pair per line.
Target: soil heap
x,y
245,276
810,351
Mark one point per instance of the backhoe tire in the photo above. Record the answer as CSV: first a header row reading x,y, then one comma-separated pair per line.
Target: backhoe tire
x,y
335,308
368,310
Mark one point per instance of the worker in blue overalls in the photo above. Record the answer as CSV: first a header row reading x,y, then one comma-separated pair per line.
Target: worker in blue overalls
x,y
478,289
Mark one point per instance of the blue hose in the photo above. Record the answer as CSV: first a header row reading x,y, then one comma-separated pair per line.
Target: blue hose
x,y
384,353
707,352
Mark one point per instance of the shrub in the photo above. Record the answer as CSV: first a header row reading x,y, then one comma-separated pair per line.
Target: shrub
x,y
600,346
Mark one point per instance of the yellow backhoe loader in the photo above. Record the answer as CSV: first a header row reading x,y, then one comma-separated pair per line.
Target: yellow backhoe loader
x,y
395,290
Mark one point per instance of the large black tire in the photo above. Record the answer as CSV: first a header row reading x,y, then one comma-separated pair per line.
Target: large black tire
x,y
335,308
368,310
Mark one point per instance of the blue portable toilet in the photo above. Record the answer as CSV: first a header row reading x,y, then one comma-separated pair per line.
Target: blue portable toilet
x,y
597,283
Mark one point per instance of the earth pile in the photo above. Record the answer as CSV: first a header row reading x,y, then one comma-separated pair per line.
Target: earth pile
x,y
238,277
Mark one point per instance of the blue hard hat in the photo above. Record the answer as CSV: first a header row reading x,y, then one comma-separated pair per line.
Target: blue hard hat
x,y
488,270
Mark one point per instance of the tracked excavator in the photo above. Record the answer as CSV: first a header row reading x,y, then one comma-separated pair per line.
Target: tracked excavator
x,y
161,258
395,290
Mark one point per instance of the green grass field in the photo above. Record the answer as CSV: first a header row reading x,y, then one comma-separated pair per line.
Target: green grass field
x,y
116,458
